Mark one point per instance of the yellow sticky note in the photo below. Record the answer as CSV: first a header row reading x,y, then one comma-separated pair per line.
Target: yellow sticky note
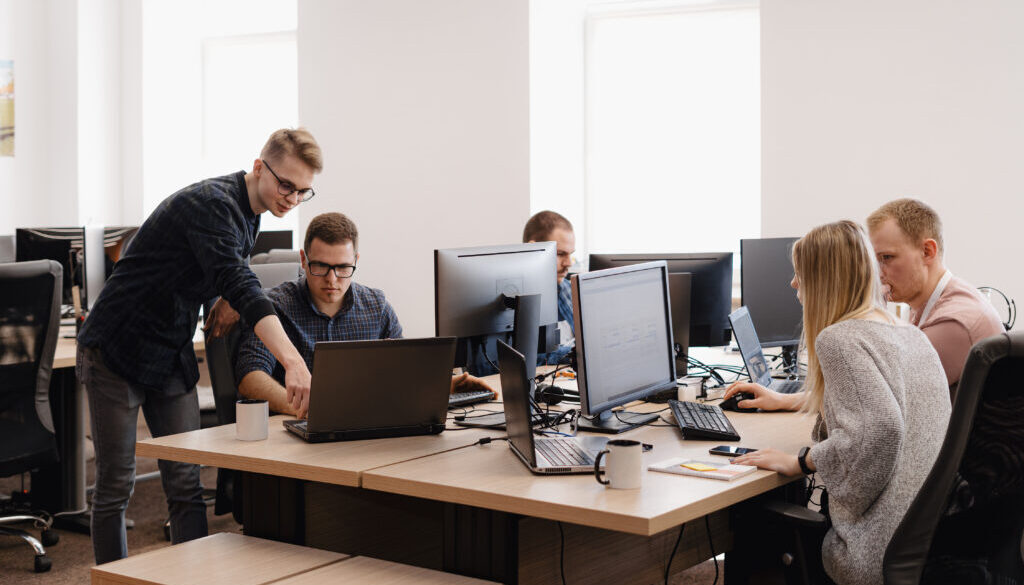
x,y
698,466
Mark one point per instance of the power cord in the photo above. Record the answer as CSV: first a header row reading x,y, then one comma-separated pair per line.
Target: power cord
x,y
679,539
561,555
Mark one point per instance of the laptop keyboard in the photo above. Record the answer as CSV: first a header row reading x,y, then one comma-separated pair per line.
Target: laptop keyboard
x,y
467,398
563,452
702,421
787,386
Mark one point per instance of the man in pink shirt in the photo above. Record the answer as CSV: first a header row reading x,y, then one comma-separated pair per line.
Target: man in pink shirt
x,y
907,237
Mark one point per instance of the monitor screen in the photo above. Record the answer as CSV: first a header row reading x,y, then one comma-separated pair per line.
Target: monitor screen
x,y
624,345
475,291
66,246
766,269
710,289
272,240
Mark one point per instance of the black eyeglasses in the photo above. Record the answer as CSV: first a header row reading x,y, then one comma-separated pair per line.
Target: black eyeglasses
x,y
286,188
340,270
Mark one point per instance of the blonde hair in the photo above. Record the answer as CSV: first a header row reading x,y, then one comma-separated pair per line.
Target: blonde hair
x,y
914,218
297,142
837,271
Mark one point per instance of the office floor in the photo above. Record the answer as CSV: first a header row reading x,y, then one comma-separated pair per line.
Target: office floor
x,y
72,556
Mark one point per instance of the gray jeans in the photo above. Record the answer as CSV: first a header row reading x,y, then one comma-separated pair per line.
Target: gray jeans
x,y
114,411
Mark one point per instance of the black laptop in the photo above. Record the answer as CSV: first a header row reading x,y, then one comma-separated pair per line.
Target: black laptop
x,y
376,389
753,356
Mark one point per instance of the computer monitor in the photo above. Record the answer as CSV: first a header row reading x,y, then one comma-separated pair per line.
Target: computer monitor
x,y
710,289
624,345
64,245
272,240
766,270
104,247
477,292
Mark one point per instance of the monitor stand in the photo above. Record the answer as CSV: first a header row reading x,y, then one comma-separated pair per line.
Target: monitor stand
x,y
616,422
790,360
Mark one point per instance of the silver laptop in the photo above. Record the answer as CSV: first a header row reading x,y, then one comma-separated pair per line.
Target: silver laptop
x,y
750,348
375,389
549,455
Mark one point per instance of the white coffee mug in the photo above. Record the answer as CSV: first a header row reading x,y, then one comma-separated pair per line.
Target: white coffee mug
x,y
624,465
252,417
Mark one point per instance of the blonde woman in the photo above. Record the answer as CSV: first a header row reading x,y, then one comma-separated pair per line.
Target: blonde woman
x,y
880,395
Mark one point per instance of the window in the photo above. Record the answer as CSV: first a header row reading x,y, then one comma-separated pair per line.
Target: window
x,y
672,128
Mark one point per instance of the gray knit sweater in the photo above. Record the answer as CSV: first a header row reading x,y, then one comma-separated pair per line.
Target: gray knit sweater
x,y
886,408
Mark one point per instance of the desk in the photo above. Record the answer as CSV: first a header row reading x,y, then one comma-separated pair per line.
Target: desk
x,y
477,510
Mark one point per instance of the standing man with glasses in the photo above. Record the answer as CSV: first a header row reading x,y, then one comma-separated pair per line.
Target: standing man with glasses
x,y
323,305
135,348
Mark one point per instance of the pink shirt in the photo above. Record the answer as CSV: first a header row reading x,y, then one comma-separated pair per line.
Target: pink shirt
x,y
959,318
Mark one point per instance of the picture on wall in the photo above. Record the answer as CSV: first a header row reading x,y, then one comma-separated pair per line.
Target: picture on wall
x,y
6,108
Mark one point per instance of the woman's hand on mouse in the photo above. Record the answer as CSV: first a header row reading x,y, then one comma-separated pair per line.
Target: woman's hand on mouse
x,y
764,398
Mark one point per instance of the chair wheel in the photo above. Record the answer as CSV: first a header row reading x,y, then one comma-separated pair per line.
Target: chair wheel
x,y
43,563
49,537
167,531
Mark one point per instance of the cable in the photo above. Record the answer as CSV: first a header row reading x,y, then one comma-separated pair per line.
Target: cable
x,y
679,539
561,555
711,545
1011,306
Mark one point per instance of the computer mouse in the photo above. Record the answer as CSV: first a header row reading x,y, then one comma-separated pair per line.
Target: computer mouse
x,y
732,402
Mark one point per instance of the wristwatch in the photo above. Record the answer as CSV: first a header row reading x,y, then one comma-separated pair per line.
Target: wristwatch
x,y
801,458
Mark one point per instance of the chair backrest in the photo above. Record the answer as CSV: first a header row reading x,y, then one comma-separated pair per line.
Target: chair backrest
x,y
221,352
30,295
275,256
981,462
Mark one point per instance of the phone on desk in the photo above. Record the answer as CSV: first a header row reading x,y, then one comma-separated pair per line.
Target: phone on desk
x,y
730,450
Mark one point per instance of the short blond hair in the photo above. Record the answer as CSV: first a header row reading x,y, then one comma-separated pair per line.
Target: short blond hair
x,y
297,142
917,220
837,271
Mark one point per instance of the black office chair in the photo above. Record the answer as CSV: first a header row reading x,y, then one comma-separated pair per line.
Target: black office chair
x,y
966,525
30,294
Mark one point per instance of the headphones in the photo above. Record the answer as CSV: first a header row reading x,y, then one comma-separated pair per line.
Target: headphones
x,y
1011,307
548,394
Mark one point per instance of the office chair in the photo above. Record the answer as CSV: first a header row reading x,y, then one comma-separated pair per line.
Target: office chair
x,y
30,295
966,524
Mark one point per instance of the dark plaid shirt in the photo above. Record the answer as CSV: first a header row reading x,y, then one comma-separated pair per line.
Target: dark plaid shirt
x,y
193,247
365,314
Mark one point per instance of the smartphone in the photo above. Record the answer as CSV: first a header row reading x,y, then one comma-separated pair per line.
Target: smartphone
x,y
730,450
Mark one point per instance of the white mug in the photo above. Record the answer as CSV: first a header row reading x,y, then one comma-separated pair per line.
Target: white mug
x,y
623,466
252,417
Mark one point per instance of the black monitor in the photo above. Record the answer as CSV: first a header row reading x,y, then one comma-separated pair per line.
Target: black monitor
x,y
624,345
66,246
710,289
766,270
487,293
272,240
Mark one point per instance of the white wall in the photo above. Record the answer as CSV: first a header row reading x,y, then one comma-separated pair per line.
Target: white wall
x,y
38,185
869,100
422,110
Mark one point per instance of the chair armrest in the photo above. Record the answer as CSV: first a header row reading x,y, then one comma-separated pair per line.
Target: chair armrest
x,y
794,514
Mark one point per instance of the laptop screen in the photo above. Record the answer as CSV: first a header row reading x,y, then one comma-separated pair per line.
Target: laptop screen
x,y
750,347
515,392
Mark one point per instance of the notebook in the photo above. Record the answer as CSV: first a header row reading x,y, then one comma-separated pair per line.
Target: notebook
x,y
548,455
723,470
379,388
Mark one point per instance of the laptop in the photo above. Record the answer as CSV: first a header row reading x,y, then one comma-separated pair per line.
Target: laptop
x,y
376,389
548,455
753,355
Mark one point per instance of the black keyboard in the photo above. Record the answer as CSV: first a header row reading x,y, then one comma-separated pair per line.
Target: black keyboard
x,y
466,398
702,421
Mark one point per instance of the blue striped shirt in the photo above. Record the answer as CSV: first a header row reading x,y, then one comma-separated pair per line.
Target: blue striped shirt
x,y
564,314
365,314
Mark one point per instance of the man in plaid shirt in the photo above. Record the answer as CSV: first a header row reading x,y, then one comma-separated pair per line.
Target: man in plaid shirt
x,y
323,305
135,349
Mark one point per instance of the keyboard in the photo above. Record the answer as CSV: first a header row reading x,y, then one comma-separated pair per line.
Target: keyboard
x,y
563,452
466,398
787,386
702,421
